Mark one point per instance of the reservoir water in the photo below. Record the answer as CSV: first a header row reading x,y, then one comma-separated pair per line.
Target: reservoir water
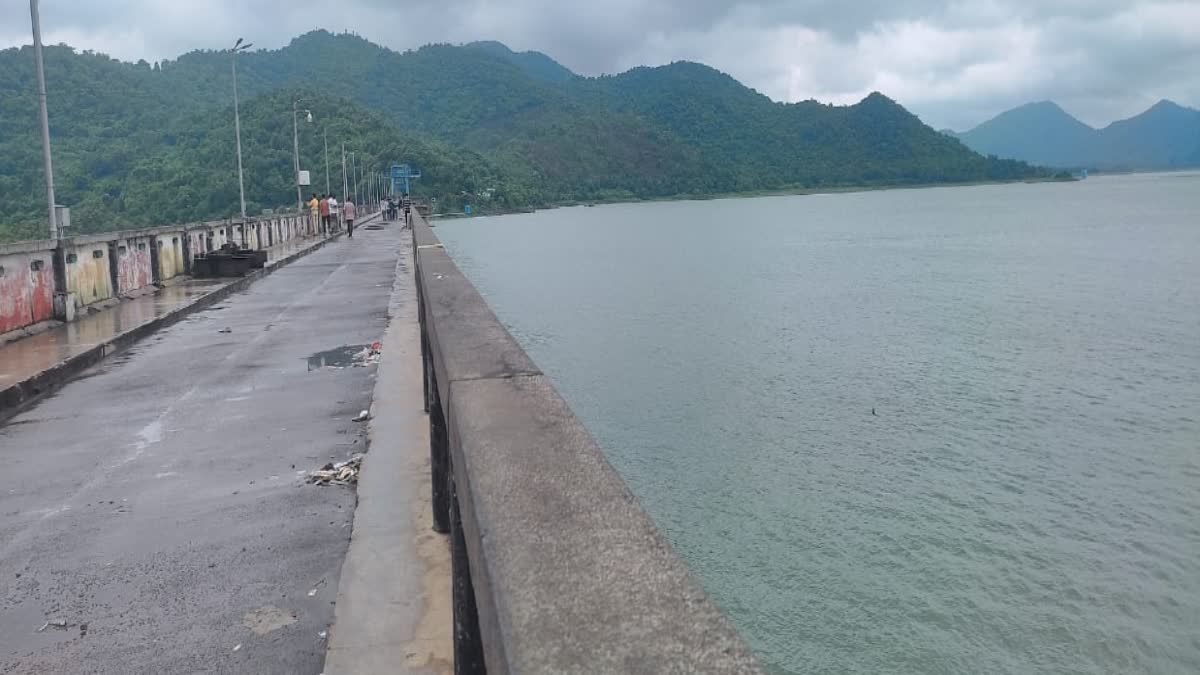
x,y
951,430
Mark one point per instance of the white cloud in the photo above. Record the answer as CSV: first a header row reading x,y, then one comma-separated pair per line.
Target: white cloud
x,y
954,62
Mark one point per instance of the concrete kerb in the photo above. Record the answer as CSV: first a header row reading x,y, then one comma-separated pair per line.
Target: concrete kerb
x,y
18,396
392,613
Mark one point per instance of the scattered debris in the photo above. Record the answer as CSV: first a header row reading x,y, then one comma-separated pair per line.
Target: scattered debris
x,y
368,355
323,634
339,473
363,416
60,624
312,593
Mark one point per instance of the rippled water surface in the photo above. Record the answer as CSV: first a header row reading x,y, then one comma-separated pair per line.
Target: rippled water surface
x,y
1025,497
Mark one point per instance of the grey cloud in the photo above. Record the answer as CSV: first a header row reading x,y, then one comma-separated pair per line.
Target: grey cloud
x,y
954,62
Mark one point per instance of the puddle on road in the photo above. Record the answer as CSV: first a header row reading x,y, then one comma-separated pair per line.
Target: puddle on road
x,y
342,357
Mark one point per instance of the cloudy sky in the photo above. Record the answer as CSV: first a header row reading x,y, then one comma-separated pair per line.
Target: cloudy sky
x,y
953,63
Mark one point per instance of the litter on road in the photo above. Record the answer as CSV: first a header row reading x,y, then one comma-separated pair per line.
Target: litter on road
x,y
368,355
337,473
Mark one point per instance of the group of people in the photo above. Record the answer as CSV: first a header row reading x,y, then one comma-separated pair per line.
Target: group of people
x,y
393,206
329,213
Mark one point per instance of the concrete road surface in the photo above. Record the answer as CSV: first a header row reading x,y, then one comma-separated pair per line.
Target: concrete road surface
x,y
155,506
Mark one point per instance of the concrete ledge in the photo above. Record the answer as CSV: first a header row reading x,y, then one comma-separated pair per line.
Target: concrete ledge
x,y
466,339
19,395
570,573
557,568
32,246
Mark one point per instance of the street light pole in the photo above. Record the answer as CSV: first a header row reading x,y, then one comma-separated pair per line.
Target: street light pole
x,y
55,231
237,123
345,188
354,175
296,154
296,149
325,135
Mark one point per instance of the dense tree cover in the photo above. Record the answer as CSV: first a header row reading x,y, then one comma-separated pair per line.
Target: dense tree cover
x,y
140,144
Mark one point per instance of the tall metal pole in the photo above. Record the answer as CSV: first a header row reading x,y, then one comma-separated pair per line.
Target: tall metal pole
x,y
55,232
325,134
345,188
237,130
354,175
296,154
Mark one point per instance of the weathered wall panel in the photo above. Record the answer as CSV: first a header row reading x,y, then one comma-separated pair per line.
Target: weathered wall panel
x,y
26,289
133,264
170,255
88,275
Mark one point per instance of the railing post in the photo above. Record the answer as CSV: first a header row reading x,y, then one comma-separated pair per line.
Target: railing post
x,y
468,644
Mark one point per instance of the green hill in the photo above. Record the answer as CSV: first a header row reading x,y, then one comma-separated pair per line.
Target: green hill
x,y
1166,136
138,143
534,64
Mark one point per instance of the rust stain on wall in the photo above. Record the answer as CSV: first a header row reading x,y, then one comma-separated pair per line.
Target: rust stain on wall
x,y
133,264
26,290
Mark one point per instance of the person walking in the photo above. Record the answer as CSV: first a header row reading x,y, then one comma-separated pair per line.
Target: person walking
x,y
349,212
333,213
314,207
324,208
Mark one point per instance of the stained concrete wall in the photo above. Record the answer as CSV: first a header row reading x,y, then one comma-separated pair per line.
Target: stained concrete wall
x,y
99,267
134,271
89,277
170,255
26,285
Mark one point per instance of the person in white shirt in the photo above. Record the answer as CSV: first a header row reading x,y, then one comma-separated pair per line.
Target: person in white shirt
x,y
333,212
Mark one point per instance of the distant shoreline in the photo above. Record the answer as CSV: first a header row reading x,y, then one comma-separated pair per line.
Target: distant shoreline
x,y
751,194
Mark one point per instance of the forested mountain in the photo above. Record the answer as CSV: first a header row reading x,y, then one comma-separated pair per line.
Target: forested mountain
x,y
535,64
1166,136
136,144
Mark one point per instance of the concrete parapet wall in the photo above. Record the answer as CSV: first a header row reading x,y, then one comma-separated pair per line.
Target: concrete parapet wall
x,y
105,266
556,566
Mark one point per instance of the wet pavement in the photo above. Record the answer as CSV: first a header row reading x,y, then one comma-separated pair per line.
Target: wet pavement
x,y
153,512
26,357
